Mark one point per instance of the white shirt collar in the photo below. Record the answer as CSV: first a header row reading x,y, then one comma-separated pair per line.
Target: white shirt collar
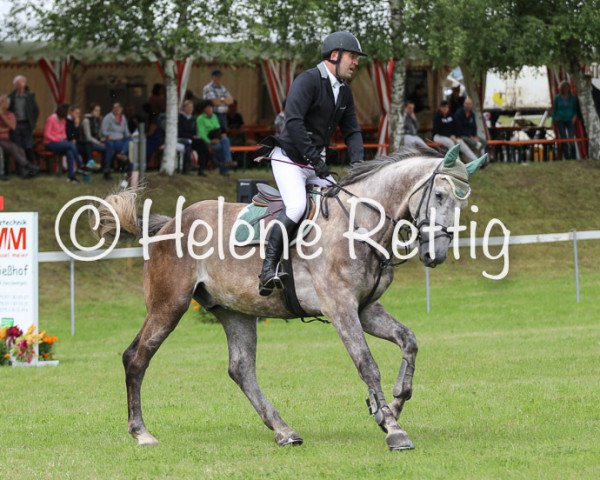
x,y
335,83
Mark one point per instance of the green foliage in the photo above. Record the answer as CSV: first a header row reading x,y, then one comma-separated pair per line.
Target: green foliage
x,y
162,29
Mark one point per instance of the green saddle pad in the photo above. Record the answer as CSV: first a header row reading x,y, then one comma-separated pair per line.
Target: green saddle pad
x,y
253,214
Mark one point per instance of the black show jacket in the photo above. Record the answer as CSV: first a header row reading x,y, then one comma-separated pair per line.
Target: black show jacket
x,y
311,117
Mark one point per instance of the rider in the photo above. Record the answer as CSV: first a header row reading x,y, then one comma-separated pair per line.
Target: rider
x,y
319,100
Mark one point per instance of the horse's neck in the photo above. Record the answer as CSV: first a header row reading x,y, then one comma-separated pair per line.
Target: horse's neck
x,y
393,185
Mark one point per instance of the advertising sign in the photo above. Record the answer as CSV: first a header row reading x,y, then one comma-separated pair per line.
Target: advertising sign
x,y
19,269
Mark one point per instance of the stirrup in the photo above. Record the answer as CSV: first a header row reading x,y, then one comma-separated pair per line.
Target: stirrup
x,y
275,282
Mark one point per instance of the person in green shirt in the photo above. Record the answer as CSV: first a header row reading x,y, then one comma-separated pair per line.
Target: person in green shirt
x,y
564,114
210,132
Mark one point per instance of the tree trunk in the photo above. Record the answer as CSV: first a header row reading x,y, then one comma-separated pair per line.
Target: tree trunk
x,y
396,115
169,155
473,86
591,122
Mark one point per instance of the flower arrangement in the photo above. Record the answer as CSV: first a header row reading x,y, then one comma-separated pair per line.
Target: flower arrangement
x,y
20,347
46,347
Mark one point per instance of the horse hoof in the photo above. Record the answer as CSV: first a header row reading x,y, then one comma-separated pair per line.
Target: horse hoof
x,y
293,440
398,441
146,440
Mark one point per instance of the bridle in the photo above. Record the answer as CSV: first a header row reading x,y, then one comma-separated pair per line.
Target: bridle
x,y
384,263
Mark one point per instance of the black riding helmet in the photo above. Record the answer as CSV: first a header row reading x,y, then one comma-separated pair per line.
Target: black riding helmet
x,y
341,41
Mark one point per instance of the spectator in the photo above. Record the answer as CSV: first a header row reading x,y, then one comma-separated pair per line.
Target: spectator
x,y
280,120
8,123
411,128
188,131
189,95
157,102
91,139
419,98
26,110
455,99
564,114
115,130
220,97
73,121
188,134
210,132
235,121
466,127
444,131
55,140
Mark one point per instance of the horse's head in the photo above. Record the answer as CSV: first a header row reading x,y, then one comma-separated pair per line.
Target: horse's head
x,y
434,201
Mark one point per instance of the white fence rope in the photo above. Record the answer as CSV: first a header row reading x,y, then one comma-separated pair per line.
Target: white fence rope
x,y
136,252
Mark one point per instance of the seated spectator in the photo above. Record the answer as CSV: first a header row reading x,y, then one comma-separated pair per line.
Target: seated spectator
x,y
210,132
91,139
115,130
411,128
466,127
8,123
73,121
55,140
187,132
280,120
565,110
455,99
444,131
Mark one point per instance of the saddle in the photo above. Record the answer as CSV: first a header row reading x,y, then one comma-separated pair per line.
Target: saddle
x,y
266,206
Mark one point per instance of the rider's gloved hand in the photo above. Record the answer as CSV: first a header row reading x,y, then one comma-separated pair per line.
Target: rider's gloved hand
x,y
320,167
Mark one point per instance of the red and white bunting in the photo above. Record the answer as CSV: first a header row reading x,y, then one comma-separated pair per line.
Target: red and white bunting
x,y
56,74
279,77
381,75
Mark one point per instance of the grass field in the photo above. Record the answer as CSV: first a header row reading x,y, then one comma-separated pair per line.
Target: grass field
x,y
507,381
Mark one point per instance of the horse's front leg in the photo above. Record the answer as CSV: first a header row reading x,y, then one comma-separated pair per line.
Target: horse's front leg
x,y
345,319
378,322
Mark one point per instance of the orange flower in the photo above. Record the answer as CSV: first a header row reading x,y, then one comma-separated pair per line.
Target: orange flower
x,y
3,333
196,308
49,340
7,355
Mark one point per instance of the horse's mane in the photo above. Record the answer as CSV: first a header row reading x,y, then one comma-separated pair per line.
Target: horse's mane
x,y
362,170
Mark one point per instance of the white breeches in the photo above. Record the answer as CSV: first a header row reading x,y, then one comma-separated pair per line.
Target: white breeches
x,y
291,182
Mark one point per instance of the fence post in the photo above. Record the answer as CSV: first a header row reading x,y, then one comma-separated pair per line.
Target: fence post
x,y
576,259
427,290
72,268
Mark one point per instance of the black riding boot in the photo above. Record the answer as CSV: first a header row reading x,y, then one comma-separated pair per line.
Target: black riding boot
x,y
270,277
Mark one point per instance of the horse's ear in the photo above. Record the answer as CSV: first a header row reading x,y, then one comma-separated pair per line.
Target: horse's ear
x,y
451,156
476,164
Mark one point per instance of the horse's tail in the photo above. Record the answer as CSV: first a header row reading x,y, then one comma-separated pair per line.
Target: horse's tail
x,y
124,204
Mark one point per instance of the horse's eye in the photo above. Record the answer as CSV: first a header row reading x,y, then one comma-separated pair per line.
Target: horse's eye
x,y
439,196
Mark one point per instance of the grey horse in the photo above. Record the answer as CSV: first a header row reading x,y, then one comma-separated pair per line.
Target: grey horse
x,y
343,289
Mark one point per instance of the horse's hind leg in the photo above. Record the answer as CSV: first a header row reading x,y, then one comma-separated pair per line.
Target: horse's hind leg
x,y
378,322
160,322
241,339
